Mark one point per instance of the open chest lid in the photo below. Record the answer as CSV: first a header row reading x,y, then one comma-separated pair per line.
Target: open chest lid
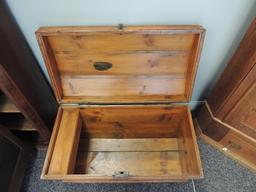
x,y
133,64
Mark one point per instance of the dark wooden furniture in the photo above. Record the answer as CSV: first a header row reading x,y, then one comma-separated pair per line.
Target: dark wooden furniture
x,y
24,90
120,114
228,118
14,156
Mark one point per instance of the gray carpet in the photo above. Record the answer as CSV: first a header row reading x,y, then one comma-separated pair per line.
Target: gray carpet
x,y
221,175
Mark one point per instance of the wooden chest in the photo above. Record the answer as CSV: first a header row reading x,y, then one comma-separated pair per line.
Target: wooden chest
x,y
122,93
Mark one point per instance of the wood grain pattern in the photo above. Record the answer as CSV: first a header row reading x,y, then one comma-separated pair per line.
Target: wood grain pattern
x,y
250,165
146,62
232,150
209,126
136,64
222,99
133,113
129,130
64,153
51,145
136,163
120,42
131,121
50,64
129,145
243,115
192,67
106,86
189,156
238,94
232,106
145,154
152,29
80,178
105,156
131,99
237,144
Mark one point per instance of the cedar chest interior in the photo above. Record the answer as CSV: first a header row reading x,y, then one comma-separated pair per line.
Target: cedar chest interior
x,y
117,89
124,142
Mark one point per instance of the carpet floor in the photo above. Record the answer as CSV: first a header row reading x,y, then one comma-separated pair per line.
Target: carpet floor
x,y
221,173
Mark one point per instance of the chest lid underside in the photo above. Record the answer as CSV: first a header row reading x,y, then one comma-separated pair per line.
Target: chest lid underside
x,y
134,64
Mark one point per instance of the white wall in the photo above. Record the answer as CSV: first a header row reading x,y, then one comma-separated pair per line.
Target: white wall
x,y
225,21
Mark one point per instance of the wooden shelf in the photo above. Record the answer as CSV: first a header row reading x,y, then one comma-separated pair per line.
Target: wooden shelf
x,y
6,106
16,121
31,137
11,117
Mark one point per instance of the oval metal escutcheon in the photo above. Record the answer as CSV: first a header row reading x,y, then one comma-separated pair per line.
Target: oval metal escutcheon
x,y
102,66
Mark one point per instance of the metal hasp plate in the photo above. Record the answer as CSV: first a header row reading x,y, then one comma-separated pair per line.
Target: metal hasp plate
x,y
120,174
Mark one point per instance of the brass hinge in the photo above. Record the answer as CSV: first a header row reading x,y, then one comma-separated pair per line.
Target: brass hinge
x,y
88,104
70,104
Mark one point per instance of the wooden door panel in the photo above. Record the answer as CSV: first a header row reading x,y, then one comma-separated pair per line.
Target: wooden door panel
x,y
243,116
14,155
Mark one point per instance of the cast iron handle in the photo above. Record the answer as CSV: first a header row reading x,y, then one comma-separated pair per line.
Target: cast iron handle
x,y
234,145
